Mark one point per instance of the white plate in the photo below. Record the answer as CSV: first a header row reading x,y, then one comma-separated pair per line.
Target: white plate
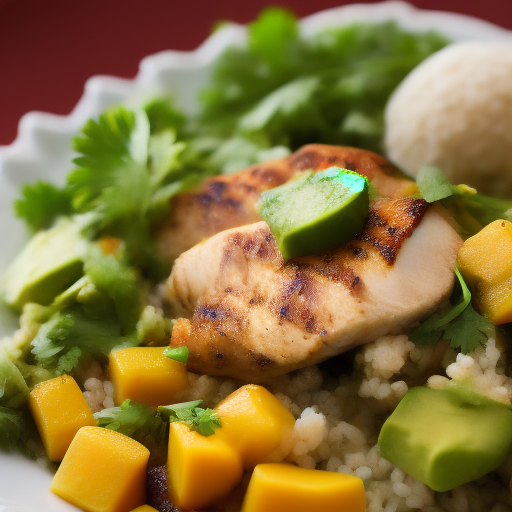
x,y
41,151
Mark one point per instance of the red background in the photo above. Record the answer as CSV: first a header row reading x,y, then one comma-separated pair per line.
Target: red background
x,y
48,48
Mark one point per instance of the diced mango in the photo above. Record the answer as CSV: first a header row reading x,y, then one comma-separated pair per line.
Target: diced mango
x,y
102,471
200,470
59,410
287,488
144,508
485,262
145,375
256,423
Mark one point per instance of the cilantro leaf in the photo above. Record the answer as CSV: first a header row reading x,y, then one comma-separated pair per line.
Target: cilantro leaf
x,y
138,422
204,421
75,333
291,89
460,324
470,209
468,331
163,116
41,203
13,430
119,282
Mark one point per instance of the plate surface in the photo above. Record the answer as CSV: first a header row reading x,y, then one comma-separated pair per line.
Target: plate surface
x,y
42,151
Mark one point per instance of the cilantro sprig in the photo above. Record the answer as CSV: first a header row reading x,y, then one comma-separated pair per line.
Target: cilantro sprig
x,y
459,324
204,421
471,210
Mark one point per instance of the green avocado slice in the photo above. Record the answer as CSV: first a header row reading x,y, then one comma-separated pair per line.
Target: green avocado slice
x,y
316,211
446,437
50,262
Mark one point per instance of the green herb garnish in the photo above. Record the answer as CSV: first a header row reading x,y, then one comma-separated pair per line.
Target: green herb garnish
x,y
179,354
204,421
461,325
471,210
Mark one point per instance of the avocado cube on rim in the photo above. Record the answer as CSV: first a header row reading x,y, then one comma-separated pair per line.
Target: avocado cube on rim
x,y
316,211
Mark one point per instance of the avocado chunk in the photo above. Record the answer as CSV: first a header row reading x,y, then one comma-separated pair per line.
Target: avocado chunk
x,y
316,211
447,437
50,262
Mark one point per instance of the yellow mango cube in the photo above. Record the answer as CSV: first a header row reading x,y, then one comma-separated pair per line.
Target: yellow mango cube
x,y
146,376
59,410
286,488
102,471
485,262
200,470
144,508
256,423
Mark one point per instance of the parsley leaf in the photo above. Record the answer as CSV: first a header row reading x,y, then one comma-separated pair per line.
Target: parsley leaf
x,y
41,203
204,421
460,324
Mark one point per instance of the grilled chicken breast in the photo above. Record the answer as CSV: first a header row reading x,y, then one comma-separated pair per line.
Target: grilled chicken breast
x,y
252,316
229,201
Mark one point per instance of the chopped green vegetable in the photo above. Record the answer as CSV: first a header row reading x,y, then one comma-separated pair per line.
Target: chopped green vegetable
x,y
204,421
316,211
177,353
461,325
446,438
41,204
470,209
138,422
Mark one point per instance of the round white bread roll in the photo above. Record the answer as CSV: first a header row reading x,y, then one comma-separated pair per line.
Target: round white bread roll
x,y
455,111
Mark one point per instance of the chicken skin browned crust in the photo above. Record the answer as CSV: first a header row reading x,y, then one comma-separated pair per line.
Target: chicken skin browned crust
x,y
229,201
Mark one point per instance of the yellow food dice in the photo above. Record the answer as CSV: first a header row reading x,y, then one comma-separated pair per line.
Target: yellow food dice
x,y
286,488
200,470
144,508
102,471
59,410
146,376
256,423
485,262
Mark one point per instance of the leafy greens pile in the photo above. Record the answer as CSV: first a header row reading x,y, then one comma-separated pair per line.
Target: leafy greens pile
x,y
263,101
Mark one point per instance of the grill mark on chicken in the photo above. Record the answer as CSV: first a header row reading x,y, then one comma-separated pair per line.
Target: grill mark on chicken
x,y
386,231
254,316
227,201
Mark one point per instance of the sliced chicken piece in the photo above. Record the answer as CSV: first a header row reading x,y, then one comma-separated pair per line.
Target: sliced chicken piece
x,y
229,201
252,316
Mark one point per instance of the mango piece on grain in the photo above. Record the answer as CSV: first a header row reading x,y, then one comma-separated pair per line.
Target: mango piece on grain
x,y
256,423
200,470
485,262
102,471
59,410
146,376
144,508
286,488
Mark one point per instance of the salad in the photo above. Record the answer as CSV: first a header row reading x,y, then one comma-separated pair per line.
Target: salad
x,y
94,295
